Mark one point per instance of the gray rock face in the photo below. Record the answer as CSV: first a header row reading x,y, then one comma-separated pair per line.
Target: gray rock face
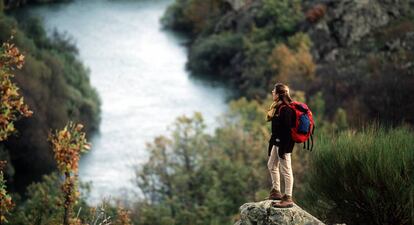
x,y
241,18
352,19
347,23
262,213
238,4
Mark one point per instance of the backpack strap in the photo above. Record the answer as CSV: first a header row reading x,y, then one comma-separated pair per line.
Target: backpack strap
x,y
280,108
306,144
311,137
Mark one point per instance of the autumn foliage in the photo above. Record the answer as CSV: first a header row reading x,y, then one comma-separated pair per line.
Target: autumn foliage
x,y
316,13
198,12
12,107
12,103
6,203
123,217
294,62
68,144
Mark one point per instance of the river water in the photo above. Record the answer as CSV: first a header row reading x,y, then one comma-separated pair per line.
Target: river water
x,y
139,72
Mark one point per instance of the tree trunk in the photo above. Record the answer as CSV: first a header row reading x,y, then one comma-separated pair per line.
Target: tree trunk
x,y
67,204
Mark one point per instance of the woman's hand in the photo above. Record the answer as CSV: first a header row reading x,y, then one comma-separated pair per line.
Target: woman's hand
x,y
271,111
273,105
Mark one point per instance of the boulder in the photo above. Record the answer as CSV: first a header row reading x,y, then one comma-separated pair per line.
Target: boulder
x,y
262,213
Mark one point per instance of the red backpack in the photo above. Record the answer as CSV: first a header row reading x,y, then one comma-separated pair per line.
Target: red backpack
x,y
304,125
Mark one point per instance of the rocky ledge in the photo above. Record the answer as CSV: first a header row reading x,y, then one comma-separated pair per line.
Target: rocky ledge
x,y
262,213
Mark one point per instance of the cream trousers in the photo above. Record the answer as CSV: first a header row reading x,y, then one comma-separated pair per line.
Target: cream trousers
x,y
285,169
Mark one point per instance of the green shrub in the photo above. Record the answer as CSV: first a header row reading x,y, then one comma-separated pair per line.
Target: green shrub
x,y
43,205
364,177
256,71
174,17
192,16
282,15
213,54
44,201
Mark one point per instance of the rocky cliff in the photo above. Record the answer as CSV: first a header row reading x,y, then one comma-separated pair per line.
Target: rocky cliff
x,y
358,46
359,53
344,24
262,213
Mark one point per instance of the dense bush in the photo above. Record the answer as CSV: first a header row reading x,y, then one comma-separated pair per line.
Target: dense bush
x,y
43,205
192,16
364,177
174,17
45,200
284,15
213,54
255,70
293,65
387,91
377,88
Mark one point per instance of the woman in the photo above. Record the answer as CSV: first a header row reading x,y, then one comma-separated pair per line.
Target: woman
x,y
281,145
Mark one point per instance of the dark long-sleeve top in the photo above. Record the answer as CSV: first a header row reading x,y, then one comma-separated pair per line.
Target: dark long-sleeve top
x,y
282,123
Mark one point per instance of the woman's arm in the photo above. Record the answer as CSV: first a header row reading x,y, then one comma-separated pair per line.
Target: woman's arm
x,y
287,121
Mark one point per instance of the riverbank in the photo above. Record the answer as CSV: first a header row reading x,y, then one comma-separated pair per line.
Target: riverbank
x,y
138,70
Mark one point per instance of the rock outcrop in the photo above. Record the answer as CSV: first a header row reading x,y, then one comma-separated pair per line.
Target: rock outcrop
x,y
238,4
346,23
262,213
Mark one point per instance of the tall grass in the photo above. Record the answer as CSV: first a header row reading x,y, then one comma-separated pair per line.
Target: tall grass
x,y
364,177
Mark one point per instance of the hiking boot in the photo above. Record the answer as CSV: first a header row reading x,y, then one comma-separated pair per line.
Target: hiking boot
x,y
286,202
275,195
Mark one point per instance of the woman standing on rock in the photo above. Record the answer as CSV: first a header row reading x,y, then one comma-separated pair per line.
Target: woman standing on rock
x,y
281,145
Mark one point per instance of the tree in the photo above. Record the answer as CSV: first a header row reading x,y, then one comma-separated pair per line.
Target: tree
x,y
294,63
12,105
68,144
193,177
12,108
284,14
6,203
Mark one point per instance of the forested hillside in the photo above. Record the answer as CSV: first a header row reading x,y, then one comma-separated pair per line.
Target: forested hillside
x,y
355,55
55,85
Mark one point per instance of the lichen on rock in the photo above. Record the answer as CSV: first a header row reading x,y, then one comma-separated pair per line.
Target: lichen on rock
x,y
262,213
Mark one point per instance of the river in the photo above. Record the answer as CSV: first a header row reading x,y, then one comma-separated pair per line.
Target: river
x,y
139,71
